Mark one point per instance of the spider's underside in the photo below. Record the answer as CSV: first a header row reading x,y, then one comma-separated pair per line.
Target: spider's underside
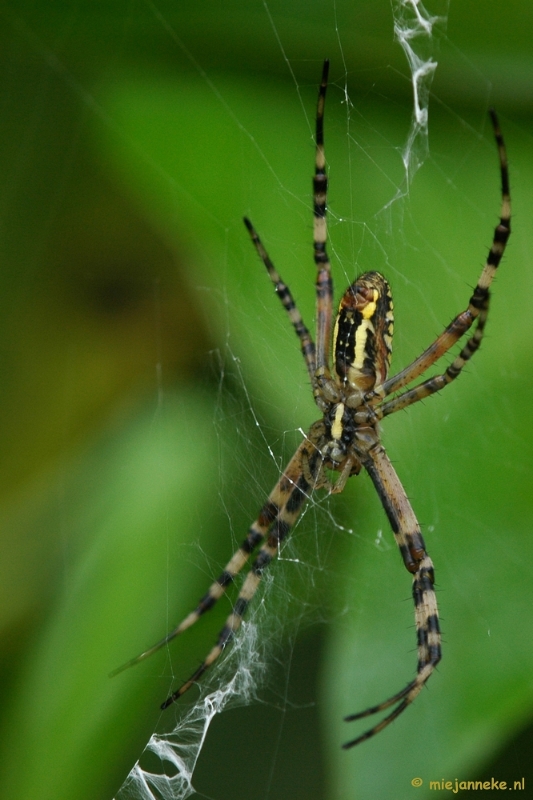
x,y
353,396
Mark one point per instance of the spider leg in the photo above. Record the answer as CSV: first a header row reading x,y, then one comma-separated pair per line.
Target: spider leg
x,y
316,359
277,501
324,283
287,300
291,492
438,382
254,537
411,544
477,308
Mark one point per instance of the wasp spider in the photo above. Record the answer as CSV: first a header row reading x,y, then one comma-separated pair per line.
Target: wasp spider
x,y
353,395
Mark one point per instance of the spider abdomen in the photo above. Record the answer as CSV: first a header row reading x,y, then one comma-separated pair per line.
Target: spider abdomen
x,y
362,337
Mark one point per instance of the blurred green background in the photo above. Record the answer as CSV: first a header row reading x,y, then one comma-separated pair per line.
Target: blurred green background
x,y
152,388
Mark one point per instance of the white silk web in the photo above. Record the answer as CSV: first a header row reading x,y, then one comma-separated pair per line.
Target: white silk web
x,y
178,750
413,29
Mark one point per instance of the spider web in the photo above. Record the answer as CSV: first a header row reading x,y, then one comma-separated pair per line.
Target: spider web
x,y
239,672
333,572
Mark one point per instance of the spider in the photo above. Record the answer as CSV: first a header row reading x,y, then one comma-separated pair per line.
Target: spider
x,y
353,396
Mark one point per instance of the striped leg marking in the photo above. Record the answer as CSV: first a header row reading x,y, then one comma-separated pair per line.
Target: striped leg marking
x,y
291,493
477,309
324,283
411,545
274,507
287,301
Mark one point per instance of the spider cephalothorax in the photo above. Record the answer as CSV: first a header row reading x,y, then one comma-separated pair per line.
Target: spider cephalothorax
x,y
353,397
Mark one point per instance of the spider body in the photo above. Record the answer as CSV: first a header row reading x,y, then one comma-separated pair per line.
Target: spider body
x,y
353,397
361,349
